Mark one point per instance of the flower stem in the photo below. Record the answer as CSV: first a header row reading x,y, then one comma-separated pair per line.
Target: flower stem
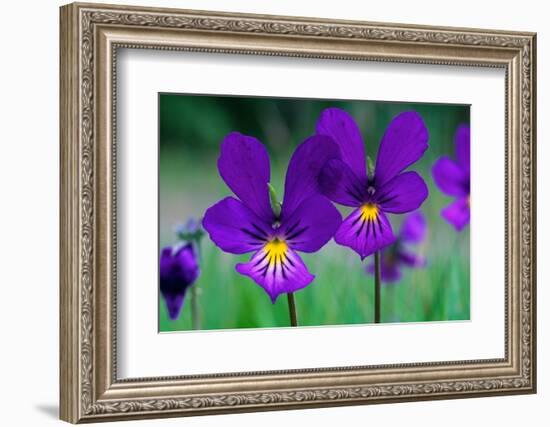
x,y
292,309
195,292
377,282
195,310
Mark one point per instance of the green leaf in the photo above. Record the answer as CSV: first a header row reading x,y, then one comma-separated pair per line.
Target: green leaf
x,y
275,204
370,168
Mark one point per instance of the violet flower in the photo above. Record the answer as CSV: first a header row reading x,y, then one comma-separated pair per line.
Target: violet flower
x,y
412,231
453,178
304,222
373,193
179,268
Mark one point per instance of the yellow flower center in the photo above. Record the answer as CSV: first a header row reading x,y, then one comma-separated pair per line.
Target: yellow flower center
x,y
369,212
275,250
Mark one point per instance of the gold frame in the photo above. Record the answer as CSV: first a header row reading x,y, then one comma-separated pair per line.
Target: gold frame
x,y
90,36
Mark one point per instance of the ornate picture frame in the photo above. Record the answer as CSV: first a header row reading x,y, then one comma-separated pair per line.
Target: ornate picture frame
x,y
90,37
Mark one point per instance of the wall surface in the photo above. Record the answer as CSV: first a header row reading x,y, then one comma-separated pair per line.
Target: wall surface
x,y
29,170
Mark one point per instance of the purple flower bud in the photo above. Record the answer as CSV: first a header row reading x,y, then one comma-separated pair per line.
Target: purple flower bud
x,y
179,268
190,231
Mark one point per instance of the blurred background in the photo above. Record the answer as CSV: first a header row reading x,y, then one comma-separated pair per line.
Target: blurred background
x,y
191,130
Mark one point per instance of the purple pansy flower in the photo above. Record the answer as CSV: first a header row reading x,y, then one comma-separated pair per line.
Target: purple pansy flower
x,y
306,222
387,189
412,231
453,178
179,268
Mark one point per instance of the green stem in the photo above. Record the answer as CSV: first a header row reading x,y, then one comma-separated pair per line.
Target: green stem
x,y
377,286
292,309
195,310
195,292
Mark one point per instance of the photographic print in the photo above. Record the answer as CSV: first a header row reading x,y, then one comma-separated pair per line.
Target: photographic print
x,y
215,194
280,212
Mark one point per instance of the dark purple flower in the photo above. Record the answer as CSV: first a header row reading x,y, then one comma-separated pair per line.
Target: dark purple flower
x,y
387,189
413,231
453,178
306,221
179,268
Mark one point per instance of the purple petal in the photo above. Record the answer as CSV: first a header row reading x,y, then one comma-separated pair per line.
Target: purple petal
x,y
404,193
278,271
311,225
364,233
458,213
174,303
450,178
404,142
339,125
234,228
389,271
303,170
414,228
391,260
179,268
338,182
462,147
244,166
411,260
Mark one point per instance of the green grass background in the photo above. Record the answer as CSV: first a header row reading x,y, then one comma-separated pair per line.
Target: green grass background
x,y
191,130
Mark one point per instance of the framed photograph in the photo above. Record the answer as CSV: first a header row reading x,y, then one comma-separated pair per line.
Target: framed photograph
x,y
265,212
